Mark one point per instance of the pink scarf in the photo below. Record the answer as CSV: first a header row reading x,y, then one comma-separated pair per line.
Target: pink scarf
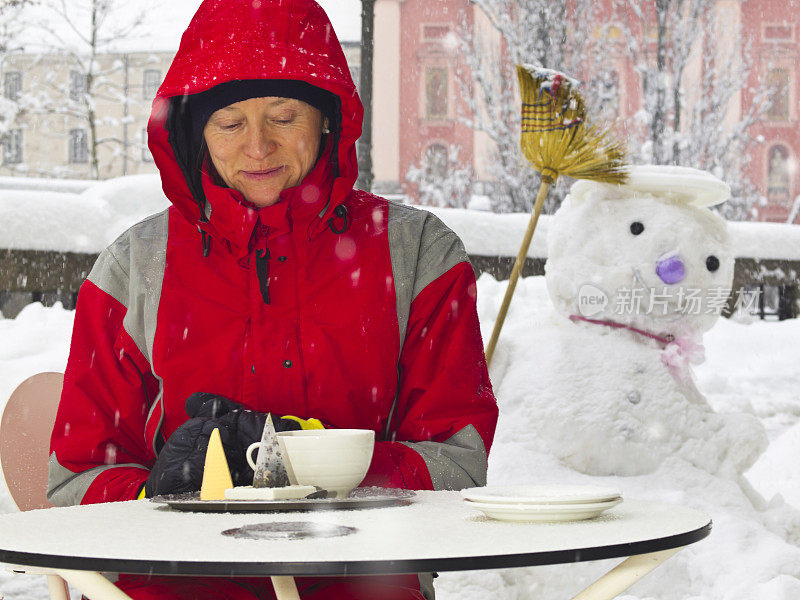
x,y
678,353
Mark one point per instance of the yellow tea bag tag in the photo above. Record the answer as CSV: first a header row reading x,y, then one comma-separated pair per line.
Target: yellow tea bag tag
x,y
216,475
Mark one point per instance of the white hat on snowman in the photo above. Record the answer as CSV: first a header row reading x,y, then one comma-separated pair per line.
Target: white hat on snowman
x,y
684,184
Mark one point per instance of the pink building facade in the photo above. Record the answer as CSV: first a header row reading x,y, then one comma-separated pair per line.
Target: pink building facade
x,y
418,97
773,27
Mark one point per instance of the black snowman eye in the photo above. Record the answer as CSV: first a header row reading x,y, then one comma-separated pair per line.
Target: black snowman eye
x,y
712,263
636,228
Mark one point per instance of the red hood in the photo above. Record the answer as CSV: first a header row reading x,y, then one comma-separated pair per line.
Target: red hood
x,y
246,39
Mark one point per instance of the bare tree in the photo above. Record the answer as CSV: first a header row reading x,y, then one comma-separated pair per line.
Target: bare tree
x,y
12,106
442,180
550,33
685,117
86,35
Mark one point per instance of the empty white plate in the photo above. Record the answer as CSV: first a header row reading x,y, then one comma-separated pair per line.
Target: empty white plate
x,y
541,494
542,512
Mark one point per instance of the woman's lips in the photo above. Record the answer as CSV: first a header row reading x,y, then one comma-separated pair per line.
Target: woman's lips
x,y
265,174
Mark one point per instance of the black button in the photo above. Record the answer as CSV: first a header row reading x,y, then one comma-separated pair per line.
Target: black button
x,y
282,258
287,363
253,368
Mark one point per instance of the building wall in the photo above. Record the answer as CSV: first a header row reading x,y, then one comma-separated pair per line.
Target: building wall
x,y
122,103
430,102
773,136
773,26
417,63
386,96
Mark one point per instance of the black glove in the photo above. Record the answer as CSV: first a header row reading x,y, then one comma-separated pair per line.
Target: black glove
x,y
179,466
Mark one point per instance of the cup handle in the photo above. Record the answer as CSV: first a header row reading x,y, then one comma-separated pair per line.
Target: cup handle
x,y
249,453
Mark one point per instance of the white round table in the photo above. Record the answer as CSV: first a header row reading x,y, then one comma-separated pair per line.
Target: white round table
x,y
435,532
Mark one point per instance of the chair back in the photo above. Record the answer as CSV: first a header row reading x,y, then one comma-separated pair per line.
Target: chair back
x,y
25,430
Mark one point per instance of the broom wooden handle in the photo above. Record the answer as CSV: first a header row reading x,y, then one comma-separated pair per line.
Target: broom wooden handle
x,y
517,270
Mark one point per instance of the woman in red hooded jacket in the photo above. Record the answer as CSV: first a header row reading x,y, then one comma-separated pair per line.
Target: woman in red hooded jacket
x,y
270,284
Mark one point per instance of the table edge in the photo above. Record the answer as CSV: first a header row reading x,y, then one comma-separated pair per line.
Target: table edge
x,y
360,567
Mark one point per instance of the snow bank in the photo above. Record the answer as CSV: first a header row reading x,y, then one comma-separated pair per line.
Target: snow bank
x,y
36,341
75,186
775,473
85,222
88,221
765,240
491,234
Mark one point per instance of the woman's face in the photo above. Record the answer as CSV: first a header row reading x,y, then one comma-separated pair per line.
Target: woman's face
x,y
262,146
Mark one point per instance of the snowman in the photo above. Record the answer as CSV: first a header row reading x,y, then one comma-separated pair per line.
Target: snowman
x,y
641,271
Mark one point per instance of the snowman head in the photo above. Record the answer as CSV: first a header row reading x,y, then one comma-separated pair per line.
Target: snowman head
x,y
649,254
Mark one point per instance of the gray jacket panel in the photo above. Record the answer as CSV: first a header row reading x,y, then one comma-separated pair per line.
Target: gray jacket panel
x,y
422,249
131,270
457,463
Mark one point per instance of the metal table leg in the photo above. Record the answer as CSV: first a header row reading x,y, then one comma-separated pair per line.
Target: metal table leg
x,y
92,585
285,588
624,575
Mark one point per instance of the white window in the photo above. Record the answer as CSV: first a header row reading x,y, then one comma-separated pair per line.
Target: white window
x,y
435,33
12,147
778,81
151,79
778,33
436,93
77,86
146,156
12,85
78,146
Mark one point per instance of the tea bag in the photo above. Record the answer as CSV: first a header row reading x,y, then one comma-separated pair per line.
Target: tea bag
x,y
270,469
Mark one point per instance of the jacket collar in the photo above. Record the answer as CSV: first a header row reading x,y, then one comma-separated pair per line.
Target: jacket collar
x,y
241,224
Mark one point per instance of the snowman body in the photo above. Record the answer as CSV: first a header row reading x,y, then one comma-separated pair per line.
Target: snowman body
x,y
641,271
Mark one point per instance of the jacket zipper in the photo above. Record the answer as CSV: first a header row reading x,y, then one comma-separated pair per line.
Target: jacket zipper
x,y
262,270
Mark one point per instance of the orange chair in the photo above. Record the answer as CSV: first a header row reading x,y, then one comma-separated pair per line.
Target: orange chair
x,y
25,430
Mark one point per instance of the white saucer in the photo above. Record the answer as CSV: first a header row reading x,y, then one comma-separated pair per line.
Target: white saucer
x,y
541,494
542,512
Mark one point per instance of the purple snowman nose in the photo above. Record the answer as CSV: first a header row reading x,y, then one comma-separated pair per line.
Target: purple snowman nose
x,y
671,269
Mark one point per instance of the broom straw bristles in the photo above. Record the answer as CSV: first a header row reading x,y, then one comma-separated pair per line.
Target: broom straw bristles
x,y
555,136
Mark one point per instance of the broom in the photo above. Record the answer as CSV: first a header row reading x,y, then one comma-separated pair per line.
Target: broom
x,y
557,141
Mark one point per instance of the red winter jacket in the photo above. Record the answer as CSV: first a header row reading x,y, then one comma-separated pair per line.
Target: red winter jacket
x,y
371,320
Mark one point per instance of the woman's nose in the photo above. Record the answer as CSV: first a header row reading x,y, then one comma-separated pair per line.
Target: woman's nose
x,y
670,269
260,143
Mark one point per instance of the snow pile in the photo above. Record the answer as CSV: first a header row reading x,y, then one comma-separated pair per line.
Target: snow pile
x,y
766,240
493,234
35,342
48,184
85,222
773,474
64,221
490,234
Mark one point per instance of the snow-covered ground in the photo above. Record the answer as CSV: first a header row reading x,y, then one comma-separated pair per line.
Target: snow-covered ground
x,y
751,554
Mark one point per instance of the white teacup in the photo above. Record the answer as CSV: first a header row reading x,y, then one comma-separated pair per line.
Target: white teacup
x,y
333,459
